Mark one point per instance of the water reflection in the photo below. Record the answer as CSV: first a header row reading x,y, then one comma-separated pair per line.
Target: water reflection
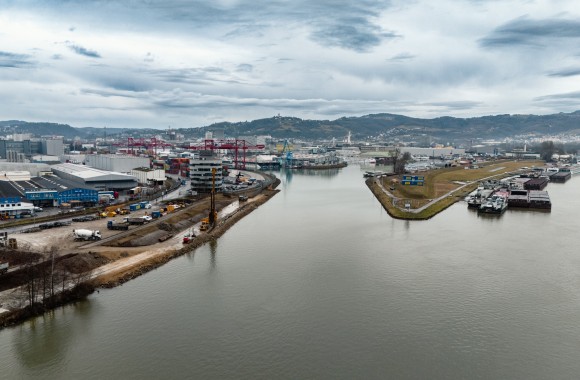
x,y
213,244
43,342
322,173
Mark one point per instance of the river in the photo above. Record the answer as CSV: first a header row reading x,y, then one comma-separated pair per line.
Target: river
x,y
321,283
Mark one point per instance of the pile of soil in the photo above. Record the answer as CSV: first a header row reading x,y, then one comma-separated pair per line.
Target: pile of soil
x,y
15,257
83,262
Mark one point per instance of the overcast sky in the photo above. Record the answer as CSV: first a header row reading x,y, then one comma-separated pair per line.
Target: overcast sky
x,y
190,63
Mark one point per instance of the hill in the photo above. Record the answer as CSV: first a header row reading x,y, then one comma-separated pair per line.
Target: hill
x,y
385,126
392,126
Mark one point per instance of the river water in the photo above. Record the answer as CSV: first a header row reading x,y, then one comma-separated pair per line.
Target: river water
x,y
321,283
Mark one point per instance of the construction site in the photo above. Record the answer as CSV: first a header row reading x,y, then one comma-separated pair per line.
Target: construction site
x,y
57,261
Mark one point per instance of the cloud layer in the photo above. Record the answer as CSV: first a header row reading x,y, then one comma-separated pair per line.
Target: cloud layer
x,y
190,63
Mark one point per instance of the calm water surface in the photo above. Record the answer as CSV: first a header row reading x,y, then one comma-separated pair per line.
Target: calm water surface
x,y
321,283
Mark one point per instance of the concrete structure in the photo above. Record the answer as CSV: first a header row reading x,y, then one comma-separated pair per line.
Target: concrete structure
x,y
74,157
53,147
88,177
250,140
34,169
523,155
13,156
200,173
145,175
116,163
51,160
20,175
433,152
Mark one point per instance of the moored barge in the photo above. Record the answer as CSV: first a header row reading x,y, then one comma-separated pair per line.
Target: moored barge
x,y
530,199
561,177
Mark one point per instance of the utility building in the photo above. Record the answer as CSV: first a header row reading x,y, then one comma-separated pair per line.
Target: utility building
x,y
116,163
147,176
87,177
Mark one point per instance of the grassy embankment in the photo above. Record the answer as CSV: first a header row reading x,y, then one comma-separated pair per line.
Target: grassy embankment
x,y
439,182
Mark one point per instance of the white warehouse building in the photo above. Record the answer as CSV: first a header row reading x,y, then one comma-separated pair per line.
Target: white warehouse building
x,y
145,175
116,163
94,178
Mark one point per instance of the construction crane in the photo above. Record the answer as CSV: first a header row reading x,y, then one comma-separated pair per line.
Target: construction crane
x,y
209,221
212,212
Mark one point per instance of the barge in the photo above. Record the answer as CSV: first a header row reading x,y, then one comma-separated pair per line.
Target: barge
x,y
561,177
536,183
530,199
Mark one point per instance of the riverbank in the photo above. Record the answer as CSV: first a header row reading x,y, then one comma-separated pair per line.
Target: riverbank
x,y
115,277
388,202
123,268
440,188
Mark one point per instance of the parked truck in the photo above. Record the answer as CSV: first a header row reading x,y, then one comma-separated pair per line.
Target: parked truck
x,y
112,225
81,234
134,221
3,267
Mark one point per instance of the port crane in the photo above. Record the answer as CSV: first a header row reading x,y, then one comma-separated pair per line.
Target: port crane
x,y
239,147
286,155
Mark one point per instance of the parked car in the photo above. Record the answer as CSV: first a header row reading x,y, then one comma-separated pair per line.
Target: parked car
x,y
37,209
147,218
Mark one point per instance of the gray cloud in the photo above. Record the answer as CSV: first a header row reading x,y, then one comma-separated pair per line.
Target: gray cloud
x,y
567,95
84,51
456,105
108,94
402,57
355,33
569,72
196,76
535,33
245,67
15,60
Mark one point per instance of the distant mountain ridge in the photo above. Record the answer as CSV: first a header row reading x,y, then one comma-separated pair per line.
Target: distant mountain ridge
x,y
384,125
391,125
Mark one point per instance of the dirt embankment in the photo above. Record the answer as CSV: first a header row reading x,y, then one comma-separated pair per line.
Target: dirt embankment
x,y
155,261
131,255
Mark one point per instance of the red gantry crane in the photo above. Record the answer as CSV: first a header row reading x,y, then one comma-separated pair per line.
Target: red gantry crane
x,y
239,148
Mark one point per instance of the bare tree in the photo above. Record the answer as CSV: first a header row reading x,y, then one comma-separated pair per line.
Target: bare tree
x,y
401,161
31,270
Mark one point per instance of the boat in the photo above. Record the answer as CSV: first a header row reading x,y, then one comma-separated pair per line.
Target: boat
x,y
370,174
496,204
476,199
265,162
